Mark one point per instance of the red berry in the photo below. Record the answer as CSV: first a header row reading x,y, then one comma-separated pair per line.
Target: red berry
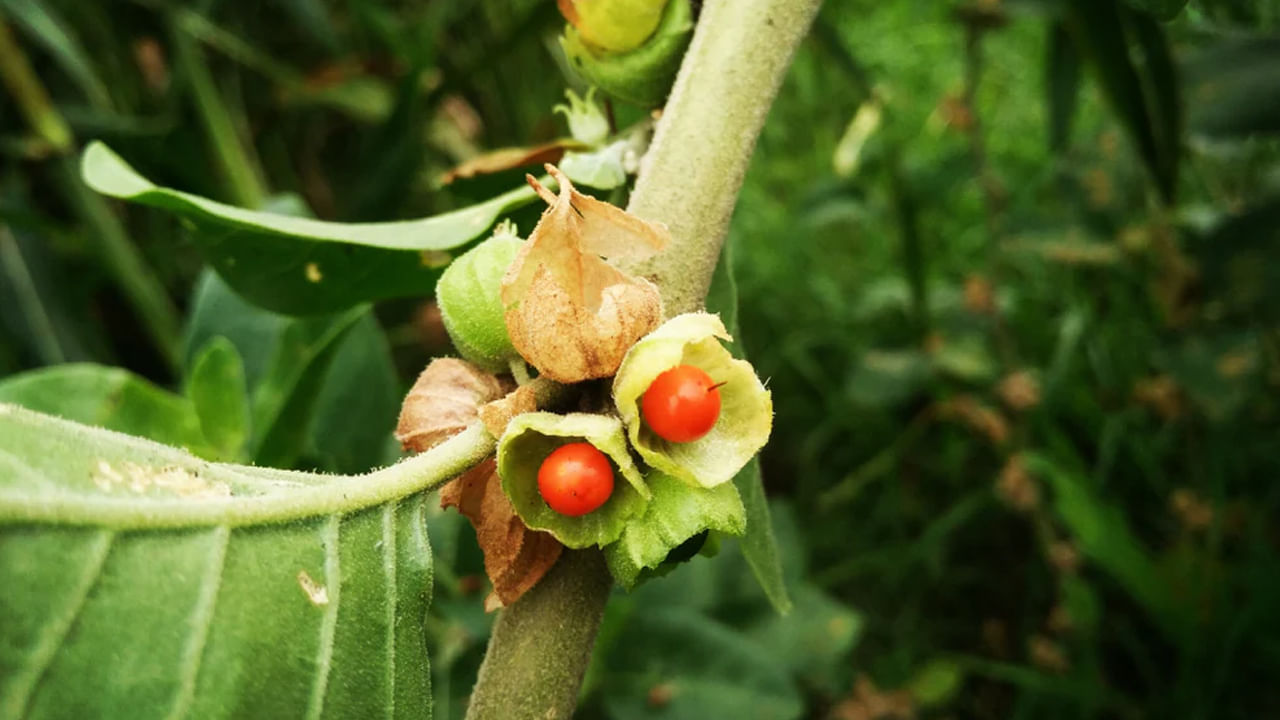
x,y
682,404
575,479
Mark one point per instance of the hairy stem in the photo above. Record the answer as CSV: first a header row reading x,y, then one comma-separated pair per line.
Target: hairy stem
x,y
691,175
689,180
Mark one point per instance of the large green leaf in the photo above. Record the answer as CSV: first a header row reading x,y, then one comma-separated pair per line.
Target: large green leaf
x,y
138,581
111,398
299,265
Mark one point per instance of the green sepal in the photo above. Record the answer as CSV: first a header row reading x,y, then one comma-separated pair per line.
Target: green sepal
x,y
531,437
746,407
642,76
469,294
677,512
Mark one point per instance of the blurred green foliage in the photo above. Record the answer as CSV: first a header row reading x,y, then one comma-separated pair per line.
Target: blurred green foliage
x,y
1008,266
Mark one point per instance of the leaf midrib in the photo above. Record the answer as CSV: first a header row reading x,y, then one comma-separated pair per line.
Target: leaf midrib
x,y
339,494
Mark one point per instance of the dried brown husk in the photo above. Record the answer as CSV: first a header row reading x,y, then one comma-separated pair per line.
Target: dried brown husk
x,y
443,401
570,313
497,414
515,557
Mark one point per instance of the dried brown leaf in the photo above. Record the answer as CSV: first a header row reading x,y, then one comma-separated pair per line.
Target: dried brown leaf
x,y
515,557
510,158
569,313
443,402
497,414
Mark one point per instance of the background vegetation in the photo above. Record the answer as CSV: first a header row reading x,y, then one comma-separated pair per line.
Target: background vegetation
x,y
1010,269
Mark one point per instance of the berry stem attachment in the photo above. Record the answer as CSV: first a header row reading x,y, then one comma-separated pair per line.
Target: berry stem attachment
x,y
520,371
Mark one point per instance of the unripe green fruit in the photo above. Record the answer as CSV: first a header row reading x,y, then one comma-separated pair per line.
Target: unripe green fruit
x,y
614,25
469,295
642,76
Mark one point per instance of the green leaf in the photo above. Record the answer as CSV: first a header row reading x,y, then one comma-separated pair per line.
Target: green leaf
x,y
759,546
355,411
299,265
813,641
1102,533
48,29
284,401
936,683
1232,88
1162,9
111,398
531,437
884,378
1235,260
1143,95
1062,78
218,392
286,365
677,664
676,512
153,584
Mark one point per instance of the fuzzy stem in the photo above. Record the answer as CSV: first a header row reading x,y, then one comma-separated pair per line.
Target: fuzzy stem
x,y
702,146
690,180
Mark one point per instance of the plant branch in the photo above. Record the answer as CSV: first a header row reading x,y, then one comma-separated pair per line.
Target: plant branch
x,y
689,180
702,146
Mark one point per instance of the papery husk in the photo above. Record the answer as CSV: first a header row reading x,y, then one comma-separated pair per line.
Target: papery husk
x,y
515,557
443,402
569,313
531,437
746,406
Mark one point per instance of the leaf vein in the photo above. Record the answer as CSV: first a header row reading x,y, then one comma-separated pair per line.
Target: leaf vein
x,y
330,536
201,622
393,599
54,633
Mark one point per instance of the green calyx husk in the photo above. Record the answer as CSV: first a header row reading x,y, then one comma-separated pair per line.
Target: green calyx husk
x,y
469,295
677,512
531,437
746,407
641,76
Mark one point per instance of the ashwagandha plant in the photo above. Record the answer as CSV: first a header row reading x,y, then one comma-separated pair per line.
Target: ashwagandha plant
x,y
143,580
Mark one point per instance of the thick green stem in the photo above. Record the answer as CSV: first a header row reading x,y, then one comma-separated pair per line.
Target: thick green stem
x,y
689,180
541,644
691,175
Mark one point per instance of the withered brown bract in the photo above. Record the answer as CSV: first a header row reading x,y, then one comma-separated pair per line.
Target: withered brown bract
x,y
569,313
443,401
515,557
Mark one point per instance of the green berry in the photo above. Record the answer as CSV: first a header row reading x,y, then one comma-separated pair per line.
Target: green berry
x,y
469,295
